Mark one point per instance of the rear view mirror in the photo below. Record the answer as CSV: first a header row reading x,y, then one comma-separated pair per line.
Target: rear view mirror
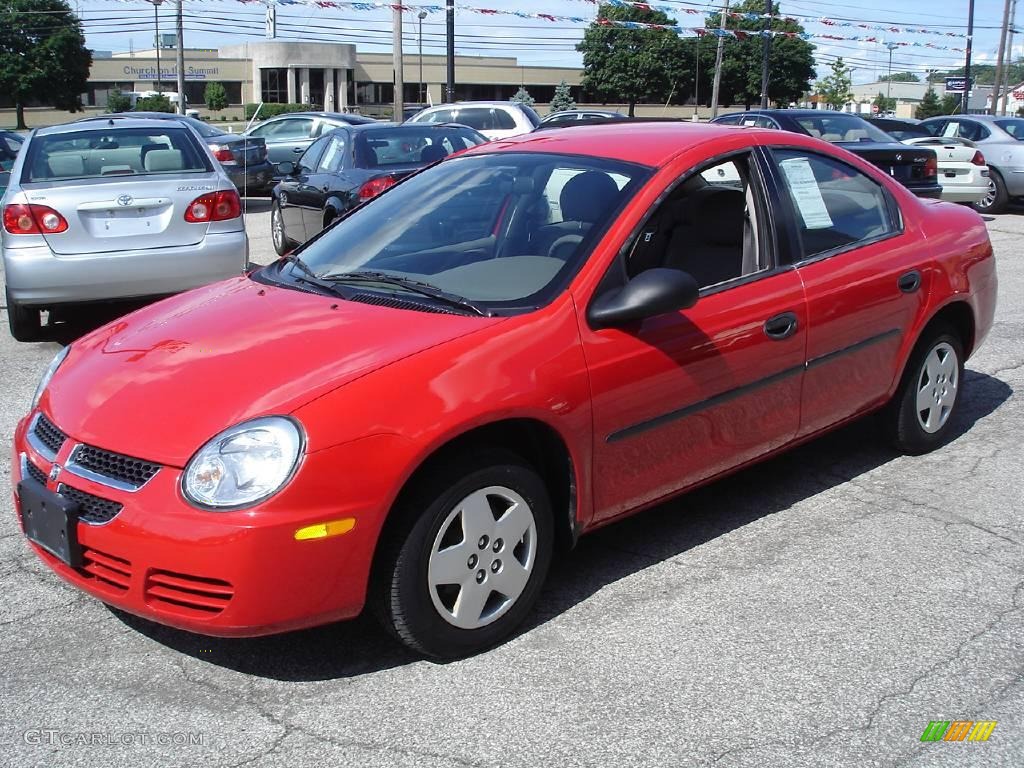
x,y
653,292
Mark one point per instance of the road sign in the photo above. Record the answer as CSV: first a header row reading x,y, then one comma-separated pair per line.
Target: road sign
x,y
956,84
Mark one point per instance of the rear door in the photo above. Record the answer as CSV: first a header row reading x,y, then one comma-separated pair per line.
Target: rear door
x,y
120,189
864,278
298,192
329,152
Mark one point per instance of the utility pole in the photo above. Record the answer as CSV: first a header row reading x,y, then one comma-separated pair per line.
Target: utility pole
x,y
449,14
766,49
180,30
396,48
419,92
1005,87
718,62
999,58
967,60
696,83
888,83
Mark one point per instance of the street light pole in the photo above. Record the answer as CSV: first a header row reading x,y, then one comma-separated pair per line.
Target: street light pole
x,y
888,82
766,49
421,16
156,26
450,50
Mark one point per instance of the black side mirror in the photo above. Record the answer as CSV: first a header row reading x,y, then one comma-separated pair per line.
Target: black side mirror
x,y
652,292
287,168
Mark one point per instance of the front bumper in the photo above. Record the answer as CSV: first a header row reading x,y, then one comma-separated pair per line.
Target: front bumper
x,y
227,574
37,277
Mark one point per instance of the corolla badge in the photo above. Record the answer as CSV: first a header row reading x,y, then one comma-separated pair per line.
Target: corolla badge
x,y
125,200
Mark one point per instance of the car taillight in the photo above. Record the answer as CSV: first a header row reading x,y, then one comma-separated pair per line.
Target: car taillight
x,y
216,206
931,167
374,187
20,219
222,154
978,159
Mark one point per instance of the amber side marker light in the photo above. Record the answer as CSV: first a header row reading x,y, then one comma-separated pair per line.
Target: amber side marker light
x,y
325,530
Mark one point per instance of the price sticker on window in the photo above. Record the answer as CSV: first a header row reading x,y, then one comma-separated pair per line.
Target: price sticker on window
x,y
806,193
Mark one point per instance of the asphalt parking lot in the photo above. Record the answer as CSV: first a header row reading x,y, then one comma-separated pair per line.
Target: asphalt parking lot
x,y
817,610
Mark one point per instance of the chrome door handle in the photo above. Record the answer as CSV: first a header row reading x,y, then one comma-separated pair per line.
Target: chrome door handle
x,y
781,326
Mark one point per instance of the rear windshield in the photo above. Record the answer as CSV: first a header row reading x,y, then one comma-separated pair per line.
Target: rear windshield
x,y
114,152
1013,127
410,145
837,127
903,131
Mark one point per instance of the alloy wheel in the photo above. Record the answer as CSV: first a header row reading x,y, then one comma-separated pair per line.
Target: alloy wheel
x,y
277,228
482,557
990,196
937,384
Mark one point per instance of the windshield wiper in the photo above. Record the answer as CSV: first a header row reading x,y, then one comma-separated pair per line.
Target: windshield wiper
x,y
408,284
310,277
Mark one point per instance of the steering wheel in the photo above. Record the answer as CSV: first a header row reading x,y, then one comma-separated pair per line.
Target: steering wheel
x,y
564,246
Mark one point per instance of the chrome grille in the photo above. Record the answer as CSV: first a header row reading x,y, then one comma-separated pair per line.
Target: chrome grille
x,y
112,466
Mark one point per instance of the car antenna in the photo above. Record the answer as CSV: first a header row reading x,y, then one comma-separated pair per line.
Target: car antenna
x,y
110,122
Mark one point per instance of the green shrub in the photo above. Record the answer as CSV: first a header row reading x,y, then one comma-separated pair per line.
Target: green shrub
x,y
158,102
273,110
215,96
118,102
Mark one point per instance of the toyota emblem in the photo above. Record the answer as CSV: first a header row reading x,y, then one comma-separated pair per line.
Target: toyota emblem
x,y
898,158
125,200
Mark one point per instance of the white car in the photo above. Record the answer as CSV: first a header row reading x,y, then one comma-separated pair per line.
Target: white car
x,y
963,172
494,119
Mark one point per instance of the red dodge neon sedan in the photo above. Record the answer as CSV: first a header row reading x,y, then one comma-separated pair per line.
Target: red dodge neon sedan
x,y
422,405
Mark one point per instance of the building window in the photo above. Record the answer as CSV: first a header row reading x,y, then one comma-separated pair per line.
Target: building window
x,y
97,92
274,85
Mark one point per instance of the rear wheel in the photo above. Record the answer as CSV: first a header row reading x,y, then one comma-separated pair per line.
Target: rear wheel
x,y
465,560
996,199
920,415
282,243
25,323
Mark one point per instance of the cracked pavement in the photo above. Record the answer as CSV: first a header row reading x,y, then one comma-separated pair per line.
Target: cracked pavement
x,y
816,610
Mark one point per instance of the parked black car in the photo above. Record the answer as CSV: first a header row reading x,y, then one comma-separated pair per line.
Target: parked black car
x,y
349,166
244,158
914,167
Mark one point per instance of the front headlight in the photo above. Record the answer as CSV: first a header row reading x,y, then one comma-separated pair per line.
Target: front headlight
x,y
244,464
52,369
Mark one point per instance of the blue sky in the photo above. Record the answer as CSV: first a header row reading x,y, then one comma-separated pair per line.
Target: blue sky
x,y
119,25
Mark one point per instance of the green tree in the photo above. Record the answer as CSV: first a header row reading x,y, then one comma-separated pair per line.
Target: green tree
x,y
562,99
791,61
158,102
950,104
835,88
215,96
929,106
118,102
43,57
884,103
522,96
631,65
900,77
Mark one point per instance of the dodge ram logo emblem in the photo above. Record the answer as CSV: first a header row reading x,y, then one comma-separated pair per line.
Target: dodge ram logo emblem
x,y
54,471
125,200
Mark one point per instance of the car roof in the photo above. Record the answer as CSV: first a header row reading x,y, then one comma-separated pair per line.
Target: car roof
x,y
116,121
456,104
979,118
343,116
635,141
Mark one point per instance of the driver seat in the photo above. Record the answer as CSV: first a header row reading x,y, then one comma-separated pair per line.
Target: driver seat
x,y
584,200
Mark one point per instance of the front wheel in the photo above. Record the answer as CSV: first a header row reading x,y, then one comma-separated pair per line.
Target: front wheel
x,y
466,558
282,243
920,415
997,198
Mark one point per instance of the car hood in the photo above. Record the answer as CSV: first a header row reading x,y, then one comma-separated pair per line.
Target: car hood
x,y
157,384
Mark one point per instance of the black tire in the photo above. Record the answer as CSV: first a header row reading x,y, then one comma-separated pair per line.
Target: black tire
x,y
999,200
282,243
401,595
903,420
330,216
25,322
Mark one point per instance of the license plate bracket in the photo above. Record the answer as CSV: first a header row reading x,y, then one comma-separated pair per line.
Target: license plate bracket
x,y
51,521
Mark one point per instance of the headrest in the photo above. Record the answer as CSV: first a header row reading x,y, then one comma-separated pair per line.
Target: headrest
x,y
587,196
719,218
67,165
163,160
433,153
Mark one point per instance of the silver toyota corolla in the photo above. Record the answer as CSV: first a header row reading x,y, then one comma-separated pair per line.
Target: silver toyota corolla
x,y
115,210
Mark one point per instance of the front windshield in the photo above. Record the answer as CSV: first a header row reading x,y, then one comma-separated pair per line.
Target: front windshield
x,y
837,127
504,229
1013,126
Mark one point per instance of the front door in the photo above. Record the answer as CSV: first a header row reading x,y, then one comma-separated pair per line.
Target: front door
x,y
684,396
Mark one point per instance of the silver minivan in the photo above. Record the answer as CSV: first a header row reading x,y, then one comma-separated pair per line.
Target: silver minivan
x,y
115,209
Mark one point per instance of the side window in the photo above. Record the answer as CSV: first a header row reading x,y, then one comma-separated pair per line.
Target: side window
x,y
311,156
440,116
973,131
503,121
765,122
836,206
292,128
711,226
728,120
334,154
481,119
